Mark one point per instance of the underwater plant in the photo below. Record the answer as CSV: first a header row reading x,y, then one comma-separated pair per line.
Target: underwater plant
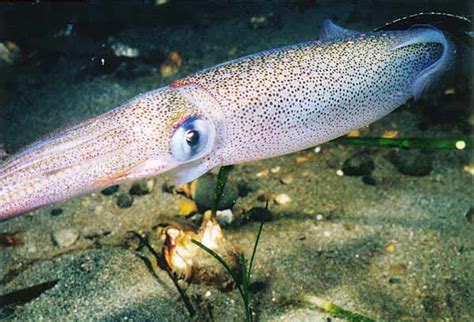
x,y
245,272
242,278
409,143
332,309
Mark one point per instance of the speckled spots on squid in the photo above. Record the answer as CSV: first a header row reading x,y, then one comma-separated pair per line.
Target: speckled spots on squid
x,y
256,107
309,92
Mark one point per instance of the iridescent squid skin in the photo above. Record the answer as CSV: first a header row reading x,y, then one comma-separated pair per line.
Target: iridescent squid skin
x,y
260,106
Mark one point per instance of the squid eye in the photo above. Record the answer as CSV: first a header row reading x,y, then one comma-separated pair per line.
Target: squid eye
x,y
192,139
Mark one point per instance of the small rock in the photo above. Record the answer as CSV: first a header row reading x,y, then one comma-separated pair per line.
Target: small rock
x,y
389,248
245,188
266,21
11,239
9,53
172,65
265,197
390,134
175,58
368,180
150,184
56,211
282,199
110,190
263,173
122,50
186,207
469,168
260,214
287,179
224,217
168,187
124,201
394,280
139,189
65,237
412,162
257,287
301,159
358,164
196,219
353,134
204,193
167,70
187,189
275,169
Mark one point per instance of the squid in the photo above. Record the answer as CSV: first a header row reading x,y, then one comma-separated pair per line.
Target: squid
x,y
256,107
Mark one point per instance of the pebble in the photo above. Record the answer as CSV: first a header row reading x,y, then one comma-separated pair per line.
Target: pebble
x,y
282,199
257,287
186,207
172,65
224,217
260,214
196,218
269,20
139,189
368,180
56,211
275,169
412,162
264,197
123,50
9,53
110,190
204,193
65,237
124,201
469,168
358,164
167,70
244,188
353,134
389,248
287,179
394,280
390,134
301,159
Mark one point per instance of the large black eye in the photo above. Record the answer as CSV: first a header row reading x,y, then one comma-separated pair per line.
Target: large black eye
x,y
192,139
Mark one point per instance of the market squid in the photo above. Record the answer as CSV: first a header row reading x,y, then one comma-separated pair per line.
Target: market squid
x,y
256,107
